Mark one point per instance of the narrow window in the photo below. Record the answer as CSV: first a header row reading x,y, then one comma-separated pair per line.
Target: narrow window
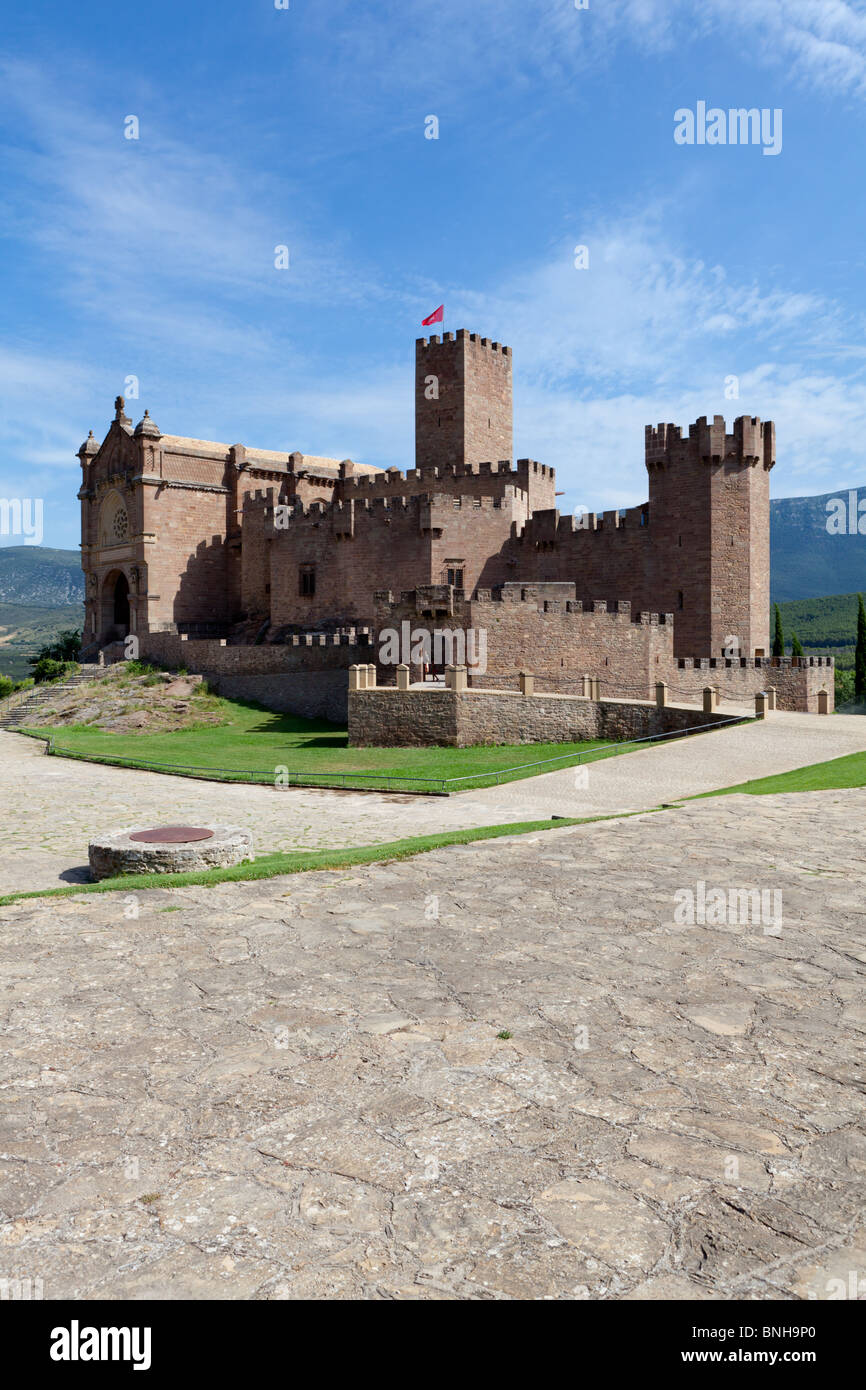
x,y
680,599
307,586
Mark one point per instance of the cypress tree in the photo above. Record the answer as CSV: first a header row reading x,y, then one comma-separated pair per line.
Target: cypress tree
x,y
778,636
796,645
860,653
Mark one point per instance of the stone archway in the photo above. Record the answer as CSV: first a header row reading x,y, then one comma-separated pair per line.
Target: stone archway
x,y
116,613
121,604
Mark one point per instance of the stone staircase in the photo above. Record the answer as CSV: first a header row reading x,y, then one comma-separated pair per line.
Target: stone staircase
x,y
16,713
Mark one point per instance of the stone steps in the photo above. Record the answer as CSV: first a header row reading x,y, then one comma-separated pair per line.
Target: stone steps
x,y
42,695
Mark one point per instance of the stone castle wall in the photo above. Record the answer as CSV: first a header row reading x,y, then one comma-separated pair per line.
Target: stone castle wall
x,y
386,718
308,677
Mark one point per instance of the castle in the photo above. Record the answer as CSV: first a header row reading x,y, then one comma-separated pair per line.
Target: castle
x,y
254,565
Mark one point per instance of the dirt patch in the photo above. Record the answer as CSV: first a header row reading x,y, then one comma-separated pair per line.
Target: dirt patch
x,y
122,702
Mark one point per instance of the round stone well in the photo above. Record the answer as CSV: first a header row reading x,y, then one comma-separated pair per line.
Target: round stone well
x,y
168,849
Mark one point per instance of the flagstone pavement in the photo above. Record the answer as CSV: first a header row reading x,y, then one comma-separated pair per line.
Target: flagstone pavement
x,y
500,1071
55,805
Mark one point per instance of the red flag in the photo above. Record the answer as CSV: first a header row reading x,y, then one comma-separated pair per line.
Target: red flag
x,y
438,316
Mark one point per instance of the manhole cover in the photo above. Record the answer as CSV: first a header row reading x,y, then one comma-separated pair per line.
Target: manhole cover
x,y
172,835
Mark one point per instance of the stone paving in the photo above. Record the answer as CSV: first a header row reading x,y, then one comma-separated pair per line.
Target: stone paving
x,y
502,1071
66,805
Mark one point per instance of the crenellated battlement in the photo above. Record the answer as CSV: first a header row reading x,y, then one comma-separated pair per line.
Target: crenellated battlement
x,y
758,663
540,598
261,499
551,527
549,598
463,336
752,442
522,475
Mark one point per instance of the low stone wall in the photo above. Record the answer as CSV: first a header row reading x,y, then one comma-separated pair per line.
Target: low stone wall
x,y
796,683
309,694
387,718
308,677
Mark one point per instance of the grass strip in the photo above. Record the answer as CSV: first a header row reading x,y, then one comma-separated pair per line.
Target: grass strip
x,y
303,861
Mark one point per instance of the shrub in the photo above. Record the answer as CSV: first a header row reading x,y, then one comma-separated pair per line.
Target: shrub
x,y
7,685
47,669
65,646
844,686
138,668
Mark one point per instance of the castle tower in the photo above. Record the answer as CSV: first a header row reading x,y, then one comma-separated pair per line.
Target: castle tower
x,y
709,512
463,403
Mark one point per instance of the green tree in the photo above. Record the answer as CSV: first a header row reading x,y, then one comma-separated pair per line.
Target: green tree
x,y
796,645
778,635
64,646
860,653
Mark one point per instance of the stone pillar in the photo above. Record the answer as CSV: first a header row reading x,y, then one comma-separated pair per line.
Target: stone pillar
x,y
585,686
760,704
527,683
771,697
354,674
717,695
402,676
460,680
823,701
371,677
709,699
594,688
661,694
449,677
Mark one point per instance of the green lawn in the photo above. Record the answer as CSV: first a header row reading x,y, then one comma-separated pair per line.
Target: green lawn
x,y
849,771
257,741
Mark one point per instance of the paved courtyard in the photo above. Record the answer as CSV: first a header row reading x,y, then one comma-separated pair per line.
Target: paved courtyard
x,y
59,805
500,1071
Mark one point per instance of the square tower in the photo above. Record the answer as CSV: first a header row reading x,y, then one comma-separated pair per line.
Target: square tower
x,y
463,408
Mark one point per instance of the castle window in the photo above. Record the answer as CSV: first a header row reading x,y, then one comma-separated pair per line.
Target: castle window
x,y
497,501
455,577
476,502
680,599
307,582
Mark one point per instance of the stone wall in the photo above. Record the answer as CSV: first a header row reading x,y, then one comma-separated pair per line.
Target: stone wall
x,y
796,683
310,694
389,718
308,676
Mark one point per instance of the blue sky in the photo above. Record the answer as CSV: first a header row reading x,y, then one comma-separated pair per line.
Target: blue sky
x,y
305,127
